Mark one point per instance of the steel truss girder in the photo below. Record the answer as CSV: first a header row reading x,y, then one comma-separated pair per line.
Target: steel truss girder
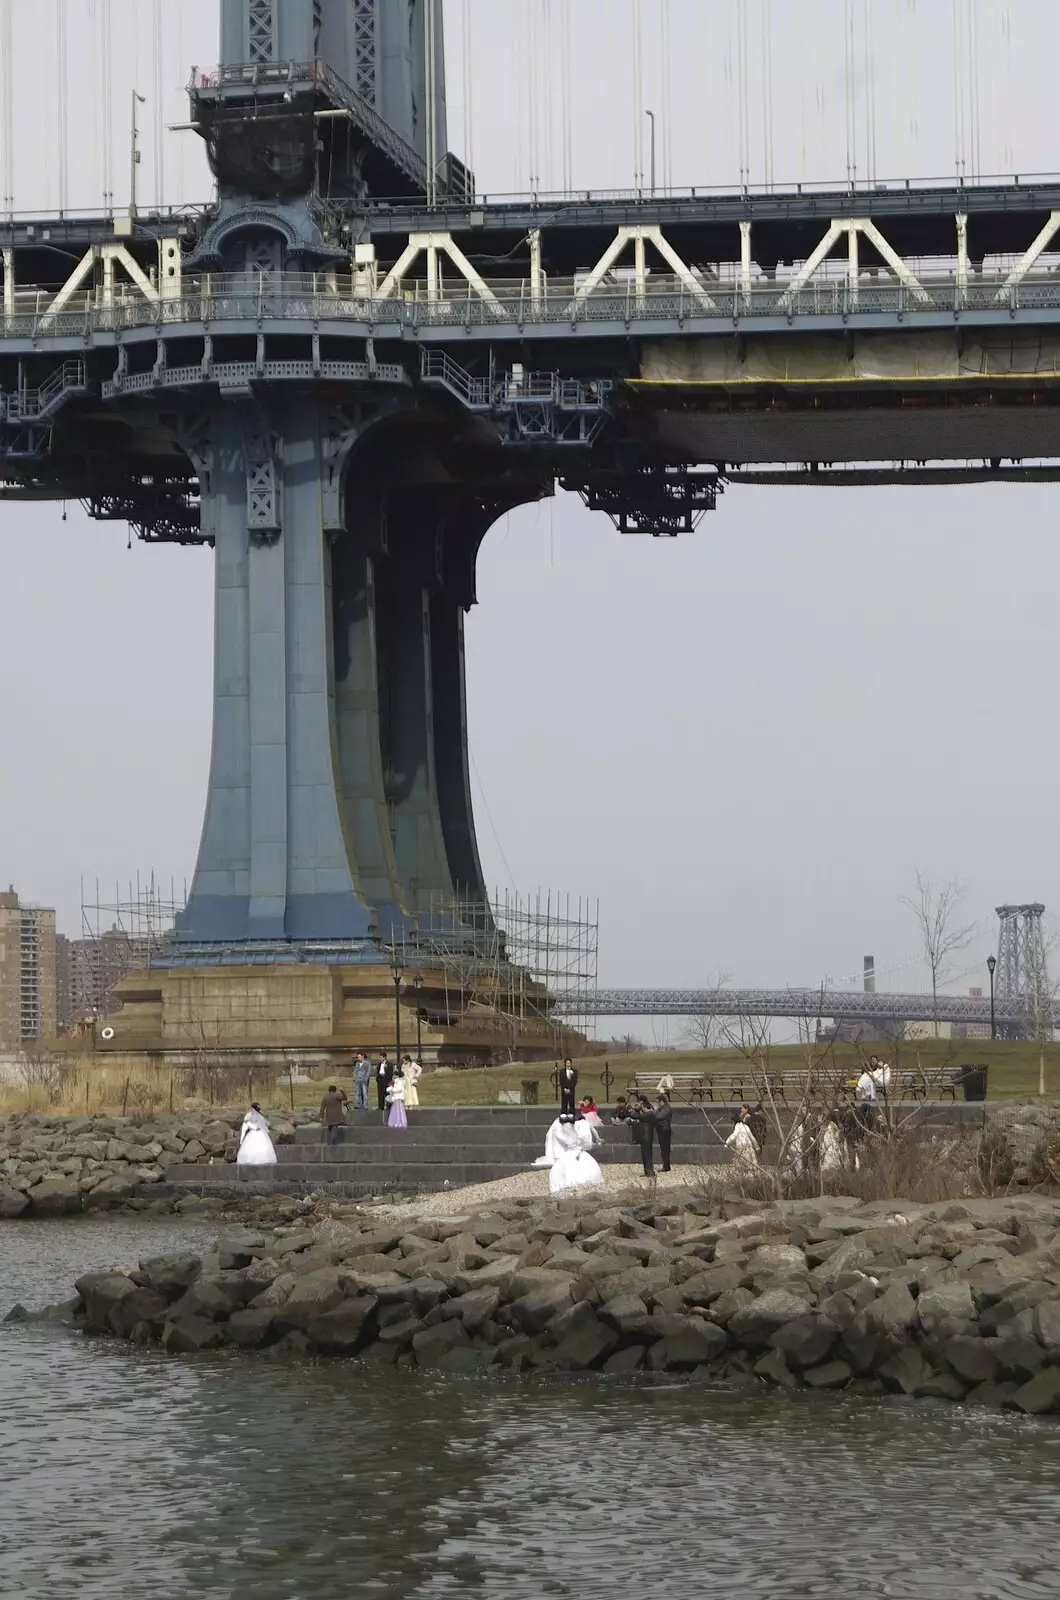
x,y
661,501
837,1004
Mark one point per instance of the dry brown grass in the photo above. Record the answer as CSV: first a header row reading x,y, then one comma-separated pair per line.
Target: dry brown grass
x,y
51,1087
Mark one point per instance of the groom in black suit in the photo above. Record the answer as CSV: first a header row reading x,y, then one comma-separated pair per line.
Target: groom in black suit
x,y
568,1083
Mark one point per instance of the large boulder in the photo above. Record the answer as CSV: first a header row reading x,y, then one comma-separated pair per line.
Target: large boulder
x,y
629,1316
534,1311
312,1295
100,1293
832,1375
696,1345
805,1341
971,1359
1040,1393
756,1323
948,1303
430,1344
13,1203
56,1197
706,1286
143,1308
251,1327
344,1328
113,1190
1047,1325
171,1275
191,1334
473,1309
908,1371
586,1343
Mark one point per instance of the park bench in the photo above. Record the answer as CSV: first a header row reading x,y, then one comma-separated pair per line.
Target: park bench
x,y
735,1084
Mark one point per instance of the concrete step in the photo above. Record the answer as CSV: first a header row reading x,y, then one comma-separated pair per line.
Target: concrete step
x,y
362,1177
457,1149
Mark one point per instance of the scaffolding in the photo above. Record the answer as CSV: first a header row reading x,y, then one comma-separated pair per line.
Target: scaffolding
x,y
530,960
118,937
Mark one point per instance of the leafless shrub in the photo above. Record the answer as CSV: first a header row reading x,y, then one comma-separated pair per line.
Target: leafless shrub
x,y
42,1075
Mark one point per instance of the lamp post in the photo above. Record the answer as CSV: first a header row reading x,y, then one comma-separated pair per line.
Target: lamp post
x,y
991,963
137,99
395,969
651,116
417,984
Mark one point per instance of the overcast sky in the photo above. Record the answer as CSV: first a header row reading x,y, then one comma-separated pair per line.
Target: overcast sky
x,y
743,742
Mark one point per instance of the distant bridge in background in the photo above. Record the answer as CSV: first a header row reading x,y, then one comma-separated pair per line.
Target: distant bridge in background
x,y
840,1005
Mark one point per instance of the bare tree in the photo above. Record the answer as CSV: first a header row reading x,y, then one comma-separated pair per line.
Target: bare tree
x,y
936,911
706,1030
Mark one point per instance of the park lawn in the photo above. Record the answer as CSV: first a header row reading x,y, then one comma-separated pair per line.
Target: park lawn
x,y
1013,1070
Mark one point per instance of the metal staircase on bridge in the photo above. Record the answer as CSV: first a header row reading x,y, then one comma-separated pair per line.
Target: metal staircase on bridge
x,y
25,414
530,407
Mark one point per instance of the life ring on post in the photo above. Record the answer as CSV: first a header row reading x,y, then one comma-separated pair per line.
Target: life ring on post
x,y
106,1033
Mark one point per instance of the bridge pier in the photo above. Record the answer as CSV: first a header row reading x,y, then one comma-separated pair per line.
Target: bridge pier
x,y
339,801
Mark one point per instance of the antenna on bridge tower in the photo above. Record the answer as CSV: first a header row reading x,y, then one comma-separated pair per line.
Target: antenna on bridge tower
x,y
1023,972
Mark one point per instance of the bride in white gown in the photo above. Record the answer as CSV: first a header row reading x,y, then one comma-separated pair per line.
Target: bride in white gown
x,y
256,1148
567,1146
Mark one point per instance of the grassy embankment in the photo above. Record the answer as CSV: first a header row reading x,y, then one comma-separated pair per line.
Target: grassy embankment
x,y
1013,1075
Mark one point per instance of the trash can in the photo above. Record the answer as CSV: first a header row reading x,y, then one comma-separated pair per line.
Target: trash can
x,y
530,1087
973,1082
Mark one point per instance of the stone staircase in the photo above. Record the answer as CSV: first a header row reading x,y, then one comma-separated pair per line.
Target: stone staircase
x,y
443,1147
448,1147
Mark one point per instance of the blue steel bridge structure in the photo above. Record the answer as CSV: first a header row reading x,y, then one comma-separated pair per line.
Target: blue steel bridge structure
x,y
343,371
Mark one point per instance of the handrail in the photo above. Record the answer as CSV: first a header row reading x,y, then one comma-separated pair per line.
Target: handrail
x,y
215,298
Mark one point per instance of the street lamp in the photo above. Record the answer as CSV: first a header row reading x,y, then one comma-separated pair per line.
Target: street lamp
x,y
417,984
395,969
137,99
991,963
651,115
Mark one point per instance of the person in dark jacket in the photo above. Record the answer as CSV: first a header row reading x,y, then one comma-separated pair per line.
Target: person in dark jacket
x,y
663,1117
384,1077
644,1132
568,1083
333,1114
756,1121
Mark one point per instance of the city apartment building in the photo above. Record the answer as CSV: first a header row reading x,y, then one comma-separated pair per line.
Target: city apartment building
x,y
90,970
28,972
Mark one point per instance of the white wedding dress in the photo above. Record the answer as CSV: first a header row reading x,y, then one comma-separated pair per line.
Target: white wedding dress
x,y
567,1146
256,1149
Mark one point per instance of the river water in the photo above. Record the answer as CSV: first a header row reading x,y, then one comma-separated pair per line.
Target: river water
x,y
126,1474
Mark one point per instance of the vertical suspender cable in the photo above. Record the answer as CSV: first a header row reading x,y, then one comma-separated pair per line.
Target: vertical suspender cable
x,y
741,78
870,92
62,132
469,124
638,96
568,105
106,147
767,90
667,72
958,92
7,110
852,128
745,75
159,99
974,135
1008,160
180,142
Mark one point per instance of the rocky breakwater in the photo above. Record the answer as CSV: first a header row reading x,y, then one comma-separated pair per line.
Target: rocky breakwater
x,y
56,1166
959,1302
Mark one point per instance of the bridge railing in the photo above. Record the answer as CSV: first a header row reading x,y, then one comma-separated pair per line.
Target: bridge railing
x,y
308,297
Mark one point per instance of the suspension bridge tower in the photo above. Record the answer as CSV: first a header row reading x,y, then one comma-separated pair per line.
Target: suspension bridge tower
x,y
1023,971
345,508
